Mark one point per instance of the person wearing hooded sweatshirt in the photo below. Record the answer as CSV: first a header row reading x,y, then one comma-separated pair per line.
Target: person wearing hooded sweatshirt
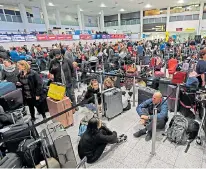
x,y
10,71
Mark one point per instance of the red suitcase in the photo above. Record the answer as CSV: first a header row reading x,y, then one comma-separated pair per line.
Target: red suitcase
x,y
179,77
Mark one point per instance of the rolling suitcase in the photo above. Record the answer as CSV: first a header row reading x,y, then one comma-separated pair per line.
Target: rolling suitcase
x,y
163,85
171,90
56,107
17,133
145,93
11,160
6,87
60,145
112,102
12,100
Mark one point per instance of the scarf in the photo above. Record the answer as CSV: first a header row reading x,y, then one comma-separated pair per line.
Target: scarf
x,y
10,68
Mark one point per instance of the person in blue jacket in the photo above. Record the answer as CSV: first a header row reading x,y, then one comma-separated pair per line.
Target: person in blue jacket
x,y
15,57
145,111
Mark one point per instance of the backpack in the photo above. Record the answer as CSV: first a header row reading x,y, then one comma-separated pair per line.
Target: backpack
x,y
177,131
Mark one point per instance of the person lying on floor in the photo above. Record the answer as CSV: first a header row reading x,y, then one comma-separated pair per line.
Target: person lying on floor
x,y
145,111
93,142
92,89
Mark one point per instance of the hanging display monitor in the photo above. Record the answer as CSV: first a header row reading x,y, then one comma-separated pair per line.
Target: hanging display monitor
x,y
154,27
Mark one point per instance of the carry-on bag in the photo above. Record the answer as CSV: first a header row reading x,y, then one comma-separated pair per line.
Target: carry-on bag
x,y
163,85
6,87
11,160
12,100
56,107
171,90
17,133
56,91
159,74
145,93
112,102
179,77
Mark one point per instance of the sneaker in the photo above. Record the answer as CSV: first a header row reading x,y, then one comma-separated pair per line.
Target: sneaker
x,y
148,136
122,139
140,133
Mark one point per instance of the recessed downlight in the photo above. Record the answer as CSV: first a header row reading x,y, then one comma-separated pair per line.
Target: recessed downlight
x,y
180,2
102,5
50,4
148,6
81,9
122,10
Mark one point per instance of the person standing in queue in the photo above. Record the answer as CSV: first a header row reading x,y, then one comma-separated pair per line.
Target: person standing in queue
x,y
63,71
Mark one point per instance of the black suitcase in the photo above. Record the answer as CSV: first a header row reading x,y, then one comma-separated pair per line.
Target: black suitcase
x,y
163,85
16,134
12,100
171,92
145,93
187,102
11,160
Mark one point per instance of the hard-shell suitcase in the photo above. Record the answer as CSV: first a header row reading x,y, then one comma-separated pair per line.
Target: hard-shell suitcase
x,y
6,87
145,93
12,100
17,133
11,160
56,107
163,85
112,102
171,90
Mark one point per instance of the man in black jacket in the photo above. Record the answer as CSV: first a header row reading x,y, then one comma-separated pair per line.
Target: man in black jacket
x,y
59,64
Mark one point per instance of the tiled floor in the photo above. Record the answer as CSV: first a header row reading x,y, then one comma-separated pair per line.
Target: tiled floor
x,y
135,153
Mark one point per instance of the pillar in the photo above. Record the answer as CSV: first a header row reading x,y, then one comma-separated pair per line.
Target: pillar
x,y
44,10
102,20
24,18
79,17
58,18
119,20
200,18
141,23
83,21
98,23
168,19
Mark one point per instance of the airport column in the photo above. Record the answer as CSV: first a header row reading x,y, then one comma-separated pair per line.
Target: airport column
x,y
141,23
98,23
200,18
44,10
24,18
83,21
79,17
58,18
119,20
168,18
102,20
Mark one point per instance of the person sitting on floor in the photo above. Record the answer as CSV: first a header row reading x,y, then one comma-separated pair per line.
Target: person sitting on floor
x,y
108,83
93,142
145,111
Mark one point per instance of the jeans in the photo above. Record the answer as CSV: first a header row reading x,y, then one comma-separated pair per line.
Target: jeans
x,y
149,123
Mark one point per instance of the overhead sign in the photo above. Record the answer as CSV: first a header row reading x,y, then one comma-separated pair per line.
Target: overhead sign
x,y
190,29
154,27
18,38
5,38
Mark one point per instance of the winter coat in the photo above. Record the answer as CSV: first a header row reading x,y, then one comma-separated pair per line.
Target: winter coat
x,y
10,74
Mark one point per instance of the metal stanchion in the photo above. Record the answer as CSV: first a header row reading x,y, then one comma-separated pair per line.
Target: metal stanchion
x,y
96,104
103,63
165,67
78,83
176,99
154,130
102,88
153,71
134,86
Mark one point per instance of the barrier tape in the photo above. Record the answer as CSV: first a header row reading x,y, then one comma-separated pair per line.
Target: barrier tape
x,y
33,126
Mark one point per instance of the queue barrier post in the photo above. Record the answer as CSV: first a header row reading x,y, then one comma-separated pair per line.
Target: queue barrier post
x,y
154,130
134,86
177,98
96,105
78,83
102,88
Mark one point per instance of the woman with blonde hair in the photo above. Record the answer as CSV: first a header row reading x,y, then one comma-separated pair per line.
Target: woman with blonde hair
x,y
31,84
108,83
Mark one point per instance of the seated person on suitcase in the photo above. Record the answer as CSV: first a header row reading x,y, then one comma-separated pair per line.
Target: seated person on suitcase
x,y
92,89
93,142
108,83
145,111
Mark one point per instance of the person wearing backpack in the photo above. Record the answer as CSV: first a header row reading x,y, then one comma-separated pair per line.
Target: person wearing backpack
x,y
145,111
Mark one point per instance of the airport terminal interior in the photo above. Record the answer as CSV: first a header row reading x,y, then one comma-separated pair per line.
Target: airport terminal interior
x,y
102,84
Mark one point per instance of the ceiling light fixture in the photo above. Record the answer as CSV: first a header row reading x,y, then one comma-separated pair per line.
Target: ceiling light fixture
x,y
100,13
148,6
50,4
122,10
1,5
180,2
102,5
81,9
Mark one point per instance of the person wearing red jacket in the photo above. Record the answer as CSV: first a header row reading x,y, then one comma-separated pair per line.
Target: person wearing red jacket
x,y
172,65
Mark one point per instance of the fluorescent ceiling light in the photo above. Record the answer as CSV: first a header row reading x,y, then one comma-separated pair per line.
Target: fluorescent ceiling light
x,y
102,5
148,6
180,2
50,4
122,10
196,5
